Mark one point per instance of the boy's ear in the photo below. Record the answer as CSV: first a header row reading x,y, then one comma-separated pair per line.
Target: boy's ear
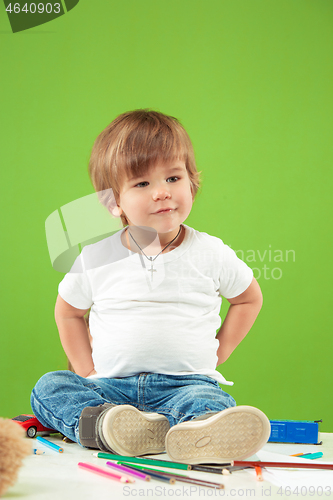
x,y
114,209
192,192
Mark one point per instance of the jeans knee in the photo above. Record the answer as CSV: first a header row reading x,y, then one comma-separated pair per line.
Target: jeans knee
x,y
200,400
202,392
49,382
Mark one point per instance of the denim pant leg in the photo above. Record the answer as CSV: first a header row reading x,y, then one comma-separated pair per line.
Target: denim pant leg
x,y
181,398
59,397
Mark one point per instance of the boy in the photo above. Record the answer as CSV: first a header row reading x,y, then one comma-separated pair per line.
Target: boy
x,y
149,382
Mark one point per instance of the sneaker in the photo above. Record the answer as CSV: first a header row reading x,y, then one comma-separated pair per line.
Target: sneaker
x,y
232,434
123,430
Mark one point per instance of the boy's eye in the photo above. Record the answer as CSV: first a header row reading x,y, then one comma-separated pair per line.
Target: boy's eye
x,y
145,183
142,184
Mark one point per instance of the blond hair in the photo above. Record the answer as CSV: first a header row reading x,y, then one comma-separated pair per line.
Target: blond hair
x,y
134,142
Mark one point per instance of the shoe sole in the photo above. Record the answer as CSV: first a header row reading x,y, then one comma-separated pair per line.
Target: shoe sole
x,y
131,432
232,434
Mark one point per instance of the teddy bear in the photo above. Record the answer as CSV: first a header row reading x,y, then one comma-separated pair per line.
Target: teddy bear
x,y
14,447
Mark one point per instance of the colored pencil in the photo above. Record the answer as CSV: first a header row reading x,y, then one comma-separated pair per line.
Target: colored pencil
x,y
47,443
128,470
159,476
38,452
105,473
143,461
312,456
216,470
286,465
149,469
259,473
179,477
234,468
162,477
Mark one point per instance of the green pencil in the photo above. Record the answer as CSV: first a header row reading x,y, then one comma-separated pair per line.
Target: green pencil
x,y
143,461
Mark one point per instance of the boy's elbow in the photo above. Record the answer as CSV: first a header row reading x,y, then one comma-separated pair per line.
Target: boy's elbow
x,y
260,299
60,310
64,311
257,297
56,310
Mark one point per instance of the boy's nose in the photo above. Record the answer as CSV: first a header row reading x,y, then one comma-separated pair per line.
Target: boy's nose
x,y
161,193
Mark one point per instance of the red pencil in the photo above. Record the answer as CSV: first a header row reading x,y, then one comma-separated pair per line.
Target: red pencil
x,y
285,465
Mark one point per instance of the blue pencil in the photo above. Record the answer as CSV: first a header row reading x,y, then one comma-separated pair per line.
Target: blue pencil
x,y
38,452
53,446
312,456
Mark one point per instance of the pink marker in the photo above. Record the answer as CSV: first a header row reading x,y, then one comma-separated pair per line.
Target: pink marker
x,y
106,473
132,472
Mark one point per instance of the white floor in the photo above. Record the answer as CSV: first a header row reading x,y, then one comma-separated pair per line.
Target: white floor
x,y
55,476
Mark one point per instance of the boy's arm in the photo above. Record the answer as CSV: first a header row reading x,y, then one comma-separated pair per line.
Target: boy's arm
x,y
74,336
241,315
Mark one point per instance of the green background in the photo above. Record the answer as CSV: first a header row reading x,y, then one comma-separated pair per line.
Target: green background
x,y
251,81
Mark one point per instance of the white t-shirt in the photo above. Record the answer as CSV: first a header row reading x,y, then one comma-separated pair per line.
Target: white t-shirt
x,y
164,321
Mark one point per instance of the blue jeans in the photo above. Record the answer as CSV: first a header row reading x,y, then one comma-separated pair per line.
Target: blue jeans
x,y
59,397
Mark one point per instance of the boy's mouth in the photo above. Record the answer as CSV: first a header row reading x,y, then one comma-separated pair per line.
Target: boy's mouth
x,y
164,210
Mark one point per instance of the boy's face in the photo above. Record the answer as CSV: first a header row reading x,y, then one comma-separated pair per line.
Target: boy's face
x,y
161,199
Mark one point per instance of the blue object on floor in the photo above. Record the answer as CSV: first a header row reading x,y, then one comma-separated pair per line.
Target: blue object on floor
x,y
294,431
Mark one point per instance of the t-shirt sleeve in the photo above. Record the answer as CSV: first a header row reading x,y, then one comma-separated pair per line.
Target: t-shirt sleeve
x,y
235,276
75,288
